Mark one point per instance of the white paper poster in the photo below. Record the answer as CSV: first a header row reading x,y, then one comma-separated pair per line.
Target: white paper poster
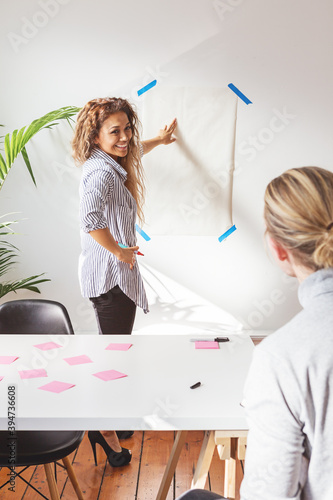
x,y
189,183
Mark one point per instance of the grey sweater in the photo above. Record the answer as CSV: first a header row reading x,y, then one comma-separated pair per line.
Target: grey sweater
x,y
289,406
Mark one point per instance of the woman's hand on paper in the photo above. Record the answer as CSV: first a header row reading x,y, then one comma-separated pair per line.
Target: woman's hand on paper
x,y
166,133
164,137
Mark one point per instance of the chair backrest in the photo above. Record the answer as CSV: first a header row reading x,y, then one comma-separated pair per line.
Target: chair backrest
x,y
34,316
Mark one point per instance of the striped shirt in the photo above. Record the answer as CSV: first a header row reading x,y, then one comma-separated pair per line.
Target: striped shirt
x,y
106,202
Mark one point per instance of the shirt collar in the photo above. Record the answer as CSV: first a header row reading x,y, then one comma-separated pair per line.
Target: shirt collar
x,y
318,283
99,153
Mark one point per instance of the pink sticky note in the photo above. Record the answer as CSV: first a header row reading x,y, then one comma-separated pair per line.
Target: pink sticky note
x,y
47,345
33,373
78,360
207,345
118,347
7,360
109,375
1,377
56,386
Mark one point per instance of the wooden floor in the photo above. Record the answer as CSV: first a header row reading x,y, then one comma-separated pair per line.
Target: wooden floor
x,y
139,480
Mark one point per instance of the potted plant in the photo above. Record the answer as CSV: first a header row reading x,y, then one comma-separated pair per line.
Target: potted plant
x,y
15,144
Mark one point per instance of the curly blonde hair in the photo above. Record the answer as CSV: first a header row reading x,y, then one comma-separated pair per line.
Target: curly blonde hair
x,y
89,122
299,215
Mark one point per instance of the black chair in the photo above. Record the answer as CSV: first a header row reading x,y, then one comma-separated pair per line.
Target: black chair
x,y
200,495
36,316
27,448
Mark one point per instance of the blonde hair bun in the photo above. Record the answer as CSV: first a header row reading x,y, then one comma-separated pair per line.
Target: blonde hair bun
x,y
299,214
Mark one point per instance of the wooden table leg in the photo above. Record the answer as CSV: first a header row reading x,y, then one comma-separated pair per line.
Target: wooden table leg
x,y
204,460
231,446
237,452
230,478
171,465
241,447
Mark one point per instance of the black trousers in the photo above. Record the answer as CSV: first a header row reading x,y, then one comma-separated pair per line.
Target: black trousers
x,y
115,312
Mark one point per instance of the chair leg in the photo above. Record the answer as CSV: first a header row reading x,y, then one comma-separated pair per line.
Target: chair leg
x,y
72,477
51,482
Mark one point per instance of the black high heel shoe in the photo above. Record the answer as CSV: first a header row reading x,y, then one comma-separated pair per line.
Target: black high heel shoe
x,y
115,459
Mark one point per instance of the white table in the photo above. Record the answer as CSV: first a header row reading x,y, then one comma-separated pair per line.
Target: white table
x,y
155,394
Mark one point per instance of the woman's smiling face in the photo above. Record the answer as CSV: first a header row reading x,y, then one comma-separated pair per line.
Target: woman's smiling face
x,y
115,135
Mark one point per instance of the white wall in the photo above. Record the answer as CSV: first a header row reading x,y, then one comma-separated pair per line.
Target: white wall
x,y
65,52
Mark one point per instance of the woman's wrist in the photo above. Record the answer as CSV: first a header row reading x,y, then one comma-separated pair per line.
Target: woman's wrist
x,y
158,140
150,144
106,240
117,253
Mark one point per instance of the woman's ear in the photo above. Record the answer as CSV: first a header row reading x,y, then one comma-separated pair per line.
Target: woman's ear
x,y
279,252
282,256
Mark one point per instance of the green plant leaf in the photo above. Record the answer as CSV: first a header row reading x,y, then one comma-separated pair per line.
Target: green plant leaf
x,y
6,263
18,141
26,284
13,143
3,168
7,151
8,255
48,119
27,162
19,138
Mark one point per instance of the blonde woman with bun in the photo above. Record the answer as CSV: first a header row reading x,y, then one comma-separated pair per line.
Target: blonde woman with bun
x,y
288,397
288,400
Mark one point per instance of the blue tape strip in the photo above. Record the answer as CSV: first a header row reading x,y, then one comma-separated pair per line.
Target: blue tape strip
x,y
239,93
227,233
143,234
147,87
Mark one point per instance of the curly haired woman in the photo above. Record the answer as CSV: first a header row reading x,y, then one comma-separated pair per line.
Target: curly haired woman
x,y
106,142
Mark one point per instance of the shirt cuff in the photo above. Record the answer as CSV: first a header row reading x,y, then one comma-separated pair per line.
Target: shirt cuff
x,y
93,225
